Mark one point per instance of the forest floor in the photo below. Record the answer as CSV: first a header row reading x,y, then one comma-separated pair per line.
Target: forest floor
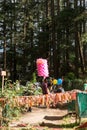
x,y
51,118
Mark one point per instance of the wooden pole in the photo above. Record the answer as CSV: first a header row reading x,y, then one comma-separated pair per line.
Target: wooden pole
x,y
3,73
2,83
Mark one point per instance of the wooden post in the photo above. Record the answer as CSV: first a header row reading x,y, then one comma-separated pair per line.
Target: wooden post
x,y
3,73
2,83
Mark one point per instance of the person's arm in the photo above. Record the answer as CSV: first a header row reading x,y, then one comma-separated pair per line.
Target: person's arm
x,y
48,91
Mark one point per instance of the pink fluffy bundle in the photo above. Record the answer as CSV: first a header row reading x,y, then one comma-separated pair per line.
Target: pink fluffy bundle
x,y
42,67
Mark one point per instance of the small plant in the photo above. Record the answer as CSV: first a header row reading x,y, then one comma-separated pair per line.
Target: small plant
x,y
34,78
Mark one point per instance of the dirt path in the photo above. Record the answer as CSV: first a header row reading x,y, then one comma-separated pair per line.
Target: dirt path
x,y
46,117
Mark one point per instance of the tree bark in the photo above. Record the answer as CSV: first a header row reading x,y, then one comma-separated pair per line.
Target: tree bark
x,y
4,47
54,40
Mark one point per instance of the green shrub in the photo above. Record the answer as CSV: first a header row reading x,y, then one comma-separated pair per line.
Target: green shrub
x,y
73,84
67,84
70,76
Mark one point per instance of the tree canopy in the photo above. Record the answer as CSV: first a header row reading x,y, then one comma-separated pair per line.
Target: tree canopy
x,y
54,30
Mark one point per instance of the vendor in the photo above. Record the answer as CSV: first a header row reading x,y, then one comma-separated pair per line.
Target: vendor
x,y
45,89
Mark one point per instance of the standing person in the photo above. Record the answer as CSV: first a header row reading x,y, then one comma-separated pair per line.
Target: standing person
x,y
50,84
60,89
54,83
59,86
45,89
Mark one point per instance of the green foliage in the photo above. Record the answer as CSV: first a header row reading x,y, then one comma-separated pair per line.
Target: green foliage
x,y
70,76
26,25
34,77
29,89
77,84
38,91
67,84
32,89
10,109
70,84
15,112
16,89
0,84
66,17
84,38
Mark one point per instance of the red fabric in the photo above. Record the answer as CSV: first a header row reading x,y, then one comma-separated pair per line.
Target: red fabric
x,y
84,125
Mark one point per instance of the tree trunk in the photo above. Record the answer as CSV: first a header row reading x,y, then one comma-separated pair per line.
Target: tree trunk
x,y
4,47
14,43
76,45
67,49
53,39
76,51
67,43
58,68
84,46
81,55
